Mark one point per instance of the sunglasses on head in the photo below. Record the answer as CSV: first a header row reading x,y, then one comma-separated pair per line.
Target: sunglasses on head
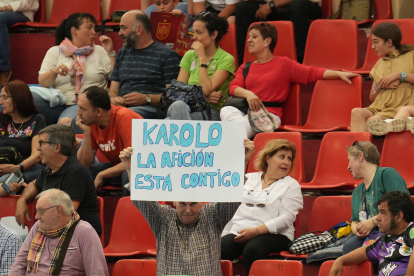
x,y
360,148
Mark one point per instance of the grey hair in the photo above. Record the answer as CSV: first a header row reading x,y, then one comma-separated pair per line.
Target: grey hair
x,y
59,197
63,135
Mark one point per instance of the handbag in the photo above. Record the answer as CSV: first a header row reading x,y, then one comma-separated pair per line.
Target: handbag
x,y
10,155
357,10
310,242
192,95
241,103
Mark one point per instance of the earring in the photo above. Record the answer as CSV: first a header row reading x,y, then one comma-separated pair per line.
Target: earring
x,y
265,45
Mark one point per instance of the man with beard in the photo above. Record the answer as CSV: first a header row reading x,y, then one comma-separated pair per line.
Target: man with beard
x,y
143,67
393,250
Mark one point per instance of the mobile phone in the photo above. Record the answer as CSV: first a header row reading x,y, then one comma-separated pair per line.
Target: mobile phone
x,y
15,176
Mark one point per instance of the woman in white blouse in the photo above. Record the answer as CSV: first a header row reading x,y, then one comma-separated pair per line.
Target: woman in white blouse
x,y
12,12
263,223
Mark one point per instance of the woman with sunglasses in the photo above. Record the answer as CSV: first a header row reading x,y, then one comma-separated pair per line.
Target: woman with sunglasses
x,y
364,160
206,65
263,223
392,86
20,122
270,77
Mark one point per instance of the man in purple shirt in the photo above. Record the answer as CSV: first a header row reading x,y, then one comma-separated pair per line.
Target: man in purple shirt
x,y
392,251
41,252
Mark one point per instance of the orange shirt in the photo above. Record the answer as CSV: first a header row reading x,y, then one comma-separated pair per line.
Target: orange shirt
x,y
116,136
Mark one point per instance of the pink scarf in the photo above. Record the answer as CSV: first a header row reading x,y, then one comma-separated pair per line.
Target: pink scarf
x,y
79,63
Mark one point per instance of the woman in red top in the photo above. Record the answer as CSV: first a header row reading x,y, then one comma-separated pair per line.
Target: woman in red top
x,y
270,77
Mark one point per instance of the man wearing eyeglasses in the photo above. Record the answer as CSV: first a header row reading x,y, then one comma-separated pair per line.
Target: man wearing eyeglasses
x,y
60,243
62,171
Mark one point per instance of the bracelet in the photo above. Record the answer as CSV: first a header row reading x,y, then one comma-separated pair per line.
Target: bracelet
x,y
21,167
257,232
257,229
373,222
113,54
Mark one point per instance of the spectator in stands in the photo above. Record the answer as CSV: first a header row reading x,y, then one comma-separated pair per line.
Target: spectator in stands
x,y
143,68
364,160
188,242
300,12
10,243
63,171
173,6
393,82
106,128
269,78
274,198
12,12
45,244
222,8
73,65
20,123
207,65
393,250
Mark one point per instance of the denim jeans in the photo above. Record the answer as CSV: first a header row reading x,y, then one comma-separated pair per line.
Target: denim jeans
x,y
113,181
29,175
181,6
53,115
146,111
351,244
179,110
7,19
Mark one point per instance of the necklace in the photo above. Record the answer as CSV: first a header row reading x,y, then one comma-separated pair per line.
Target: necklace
x,y
17,129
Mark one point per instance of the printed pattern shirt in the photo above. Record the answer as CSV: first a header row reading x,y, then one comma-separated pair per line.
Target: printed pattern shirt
x,y
10,243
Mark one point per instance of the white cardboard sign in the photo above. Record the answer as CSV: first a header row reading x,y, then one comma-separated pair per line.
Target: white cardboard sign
x,y
191,161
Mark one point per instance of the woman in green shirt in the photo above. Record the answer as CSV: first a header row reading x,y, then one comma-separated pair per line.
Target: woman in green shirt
x,y
206,65
364,160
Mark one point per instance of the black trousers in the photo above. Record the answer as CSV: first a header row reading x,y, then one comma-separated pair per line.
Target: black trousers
x,y
257,248
298,11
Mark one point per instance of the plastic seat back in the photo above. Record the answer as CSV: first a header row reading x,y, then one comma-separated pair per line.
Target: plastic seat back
x,y
101,215
331,167
331,105
332,44
226,268
129,236
228,43
363,269
260,141
292,114
328,211
285,44
276,267
135,268
8,209
397,153
326,6
406,27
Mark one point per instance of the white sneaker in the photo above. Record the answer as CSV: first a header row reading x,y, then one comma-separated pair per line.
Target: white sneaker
x,y
382,127
410,124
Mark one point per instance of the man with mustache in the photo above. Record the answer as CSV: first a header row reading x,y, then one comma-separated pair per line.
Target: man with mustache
x,y
393,250
143,67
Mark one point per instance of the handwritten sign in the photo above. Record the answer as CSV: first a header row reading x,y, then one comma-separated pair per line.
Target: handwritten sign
x,y
195,161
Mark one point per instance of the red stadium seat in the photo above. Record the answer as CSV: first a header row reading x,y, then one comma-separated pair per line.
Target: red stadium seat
x,y
364,269
397,153
406,26
285,44
261,139
335,209
326,6
62,9
121,5
331,167
332,44
39,16
130,237
228,43
101,215
149,268
331,106
8,209
383,10
276,267
291,107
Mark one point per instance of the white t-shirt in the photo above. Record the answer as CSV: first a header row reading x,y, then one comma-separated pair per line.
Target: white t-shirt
x,y
219,5
98,70
27,7
282,205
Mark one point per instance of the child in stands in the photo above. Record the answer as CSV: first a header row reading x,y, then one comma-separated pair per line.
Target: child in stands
x,y
173,6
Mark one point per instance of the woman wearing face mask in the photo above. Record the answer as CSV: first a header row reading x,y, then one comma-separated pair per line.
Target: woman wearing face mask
x,y
270,77
392,86
73,65
263,223
364,160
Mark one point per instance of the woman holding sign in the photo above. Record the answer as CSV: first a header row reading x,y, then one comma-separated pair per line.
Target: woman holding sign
x,y
206,65
269,78
263,223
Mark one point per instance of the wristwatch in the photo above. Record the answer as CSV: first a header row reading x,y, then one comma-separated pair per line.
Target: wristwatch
x,y
148,99
203,65
403,75
113,54
21,167
271,4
